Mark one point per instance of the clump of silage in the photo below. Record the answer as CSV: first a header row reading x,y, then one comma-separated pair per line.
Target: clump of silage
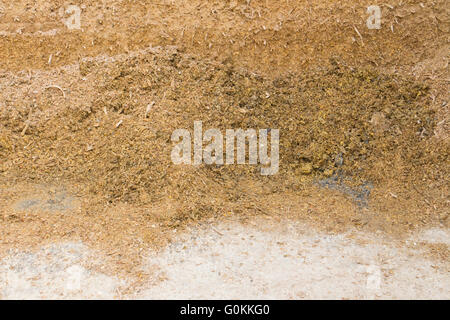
x,y
333,120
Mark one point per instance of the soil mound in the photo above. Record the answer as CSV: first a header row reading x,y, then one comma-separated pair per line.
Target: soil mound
x,y
334,120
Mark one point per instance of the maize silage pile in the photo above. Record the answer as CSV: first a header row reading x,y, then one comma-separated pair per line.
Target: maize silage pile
x,y
334,121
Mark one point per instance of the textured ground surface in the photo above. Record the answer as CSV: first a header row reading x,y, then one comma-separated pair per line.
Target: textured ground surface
x,y
233,261
92,207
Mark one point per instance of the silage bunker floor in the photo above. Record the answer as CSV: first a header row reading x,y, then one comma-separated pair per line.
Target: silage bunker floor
x,y
229,260
376,103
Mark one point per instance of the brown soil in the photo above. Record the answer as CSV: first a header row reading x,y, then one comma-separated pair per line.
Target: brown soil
x,y
376,99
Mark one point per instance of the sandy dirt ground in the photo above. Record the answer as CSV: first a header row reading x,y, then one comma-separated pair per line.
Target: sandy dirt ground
x,y
92,207
234,261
